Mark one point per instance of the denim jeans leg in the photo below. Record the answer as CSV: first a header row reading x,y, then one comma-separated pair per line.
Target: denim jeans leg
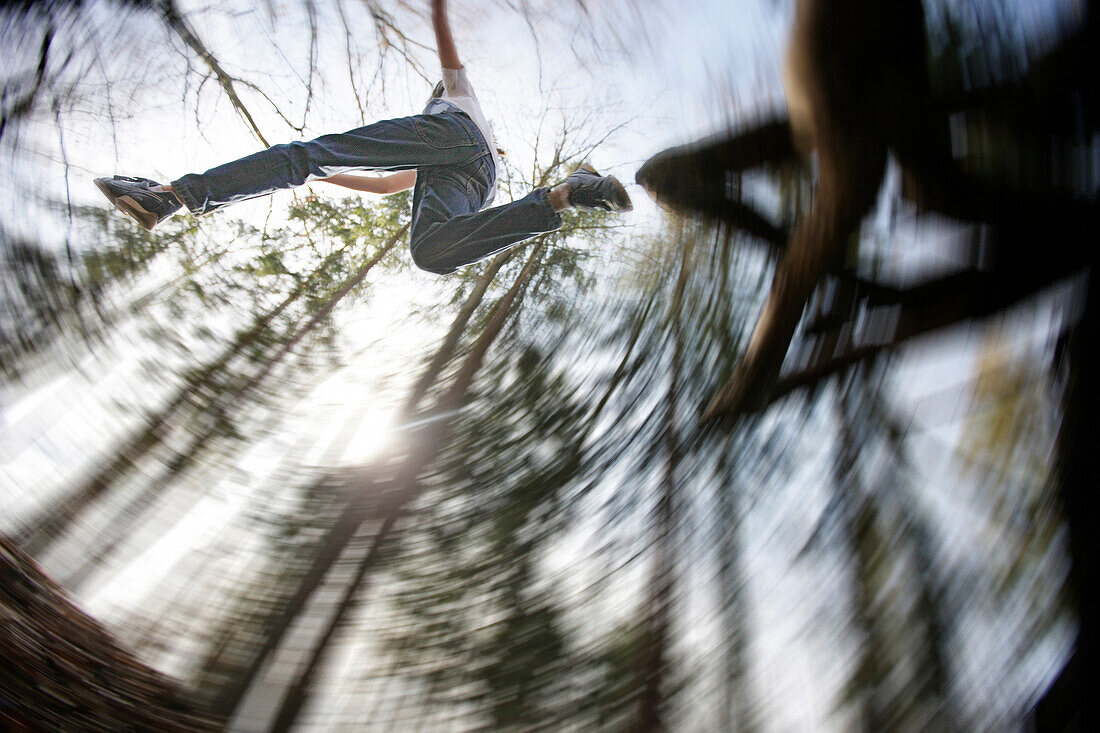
x,y
448,231
398,144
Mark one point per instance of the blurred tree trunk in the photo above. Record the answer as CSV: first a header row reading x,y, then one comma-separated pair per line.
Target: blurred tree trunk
x,y
1069,704
427,445
446,349
655,685
22,103
860,527
899,621
295,535
352,517
737,709
63,671
45,529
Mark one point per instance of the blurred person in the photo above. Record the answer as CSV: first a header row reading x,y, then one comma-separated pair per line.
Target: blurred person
x,y
447,154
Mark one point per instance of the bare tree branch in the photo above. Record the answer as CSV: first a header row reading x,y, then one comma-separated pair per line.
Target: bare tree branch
x,y
181,28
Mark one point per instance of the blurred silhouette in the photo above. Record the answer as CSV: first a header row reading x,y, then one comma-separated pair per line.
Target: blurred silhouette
x,y
858,89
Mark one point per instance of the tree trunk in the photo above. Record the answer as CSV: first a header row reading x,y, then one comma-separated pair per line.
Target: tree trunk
x,y
51,523
458,326
655,685
63,671
226,703
737,712
860,529
427,446
228,403
1068,703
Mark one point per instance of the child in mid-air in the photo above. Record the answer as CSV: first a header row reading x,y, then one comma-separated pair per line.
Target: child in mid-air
x,y
447,155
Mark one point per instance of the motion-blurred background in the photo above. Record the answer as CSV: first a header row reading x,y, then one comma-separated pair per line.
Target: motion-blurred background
x,y
260,473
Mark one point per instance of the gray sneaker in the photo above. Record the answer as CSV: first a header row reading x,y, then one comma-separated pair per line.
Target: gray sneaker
x,y
589,191
135,197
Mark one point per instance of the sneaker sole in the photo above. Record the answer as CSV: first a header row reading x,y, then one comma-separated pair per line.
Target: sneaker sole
x,y
128,206
621,200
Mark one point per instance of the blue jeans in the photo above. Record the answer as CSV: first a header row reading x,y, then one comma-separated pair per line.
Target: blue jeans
x,y
454,173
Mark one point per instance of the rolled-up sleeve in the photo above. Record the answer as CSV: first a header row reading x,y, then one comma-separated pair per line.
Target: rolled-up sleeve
x,y
457,83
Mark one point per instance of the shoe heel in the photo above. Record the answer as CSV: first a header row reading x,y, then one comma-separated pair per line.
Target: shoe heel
x,y
128,206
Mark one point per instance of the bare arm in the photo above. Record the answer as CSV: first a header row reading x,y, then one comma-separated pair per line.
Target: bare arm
x,y
392,183
448,54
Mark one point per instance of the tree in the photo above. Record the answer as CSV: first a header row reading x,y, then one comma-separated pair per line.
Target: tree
x,y
63,670
565,529
543,265
215,400
901,631
295,534
353,512
425,446
217,387
52,306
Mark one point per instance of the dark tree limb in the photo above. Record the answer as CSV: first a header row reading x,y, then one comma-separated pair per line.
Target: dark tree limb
x,y
850,176
920,310
25,102
850,108
182,29
852,75
406,488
